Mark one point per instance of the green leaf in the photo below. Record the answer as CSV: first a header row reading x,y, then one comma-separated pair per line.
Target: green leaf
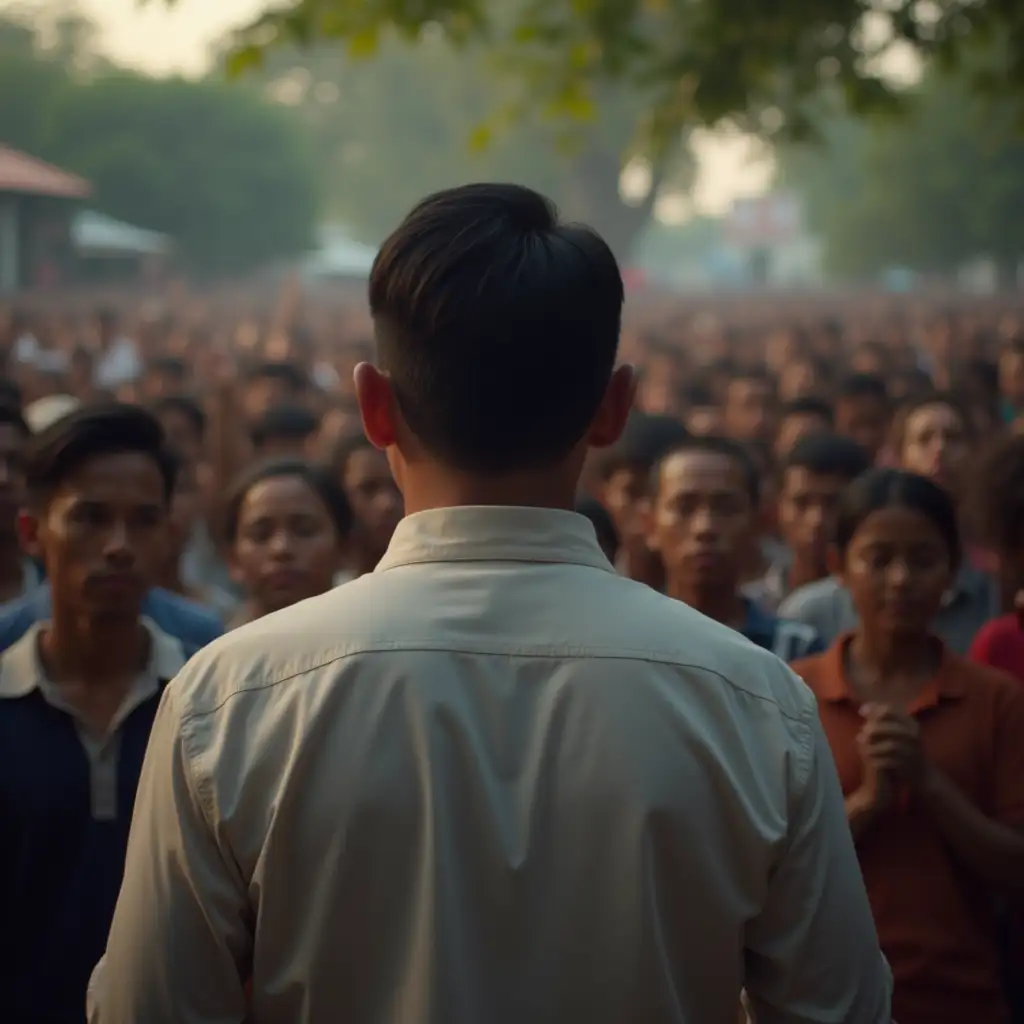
x,y
364,43
243,59
481,138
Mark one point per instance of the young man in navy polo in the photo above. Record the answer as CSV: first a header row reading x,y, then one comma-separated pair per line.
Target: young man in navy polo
x,y
78,693
704,516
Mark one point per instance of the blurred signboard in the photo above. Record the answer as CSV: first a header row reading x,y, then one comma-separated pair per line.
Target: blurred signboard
x,y
764,222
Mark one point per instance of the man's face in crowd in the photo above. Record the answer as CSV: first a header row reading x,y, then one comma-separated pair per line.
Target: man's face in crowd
x,y
374,496
750,410
703,519
103,534
936,445
865,420
808,504
12,477
795,427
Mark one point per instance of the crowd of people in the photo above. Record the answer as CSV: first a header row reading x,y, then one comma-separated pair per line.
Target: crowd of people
x,y
839,480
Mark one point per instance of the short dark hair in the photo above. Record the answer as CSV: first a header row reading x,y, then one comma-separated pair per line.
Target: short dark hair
x,y
284,423
644,441
498,326
828,455
893,488
727,447
187,407
863,385
998,488
91,431
290,374
317,478
809,405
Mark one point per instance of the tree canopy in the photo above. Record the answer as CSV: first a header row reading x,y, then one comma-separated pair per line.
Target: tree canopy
x,y
760,65
225,172
941,187
415,119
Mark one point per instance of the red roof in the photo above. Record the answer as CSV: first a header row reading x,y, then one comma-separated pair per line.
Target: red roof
x,y
26,174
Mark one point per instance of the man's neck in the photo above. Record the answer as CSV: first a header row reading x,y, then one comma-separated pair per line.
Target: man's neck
x,y
543,489
721,604
94,652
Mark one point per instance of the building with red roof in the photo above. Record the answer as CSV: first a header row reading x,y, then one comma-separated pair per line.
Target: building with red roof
x,y
37,202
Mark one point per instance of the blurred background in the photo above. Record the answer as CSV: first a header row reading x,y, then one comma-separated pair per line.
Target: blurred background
x,y
815,148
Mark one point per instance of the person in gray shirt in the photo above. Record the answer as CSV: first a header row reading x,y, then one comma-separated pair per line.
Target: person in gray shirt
x,y
826,607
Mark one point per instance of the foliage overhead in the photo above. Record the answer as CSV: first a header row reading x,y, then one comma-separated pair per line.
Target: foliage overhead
x,y
223,171
759,64
942,187
414,119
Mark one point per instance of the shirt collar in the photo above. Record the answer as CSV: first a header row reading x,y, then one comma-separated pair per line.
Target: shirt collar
x,y
833,686
495,533
21,668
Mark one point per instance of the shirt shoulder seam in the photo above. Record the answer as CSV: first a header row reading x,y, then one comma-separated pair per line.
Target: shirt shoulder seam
x,y
190,713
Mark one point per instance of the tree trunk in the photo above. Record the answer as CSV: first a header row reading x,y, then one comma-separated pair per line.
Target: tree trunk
x,y
594,200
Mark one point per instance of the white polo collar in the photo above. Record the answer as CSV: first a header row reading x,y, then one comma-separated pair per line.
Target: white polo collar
x,y
21,668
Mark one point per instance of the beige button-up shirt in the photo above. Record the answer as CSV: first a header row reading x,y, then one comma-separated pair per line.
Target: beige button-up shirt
x,y
491,783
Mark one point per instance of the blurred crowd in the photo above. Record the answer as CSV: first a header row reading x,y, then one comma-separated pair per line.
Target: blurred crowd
x,y
813,471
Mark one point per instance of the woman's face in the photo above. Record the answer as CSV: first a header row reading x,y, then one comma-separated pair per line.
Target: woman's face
x,y
897,568
287,548
936,445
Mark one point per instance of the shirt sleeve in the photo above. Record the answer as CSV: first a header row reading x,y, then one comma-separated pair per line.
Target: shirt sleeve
x,y
812,954
180,941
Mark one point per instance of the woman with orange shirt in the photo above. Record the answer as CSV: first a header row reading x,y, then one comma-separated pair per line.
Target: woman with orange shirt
x,y
930,752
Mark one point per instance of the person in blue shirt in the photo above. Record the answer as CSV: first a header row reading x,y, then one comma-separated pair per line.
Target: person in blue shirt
x,y
704,513
78,695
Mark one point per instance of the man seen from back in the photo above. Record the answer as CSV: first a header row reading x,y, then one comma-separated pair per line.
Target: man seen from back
x,y
493,780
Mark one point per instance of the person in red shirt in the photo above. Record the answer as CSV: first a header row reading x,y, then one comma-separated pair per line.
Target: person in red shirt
x,y
999,511
930,753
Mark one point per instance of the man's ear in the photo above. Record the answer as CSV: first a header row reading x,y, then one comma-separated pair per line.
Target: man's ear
x,y
376,405
29,524
616,405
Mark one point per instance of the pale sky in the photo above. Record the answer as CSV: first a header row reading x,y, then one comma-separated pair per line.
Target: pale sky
x,y
158,39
